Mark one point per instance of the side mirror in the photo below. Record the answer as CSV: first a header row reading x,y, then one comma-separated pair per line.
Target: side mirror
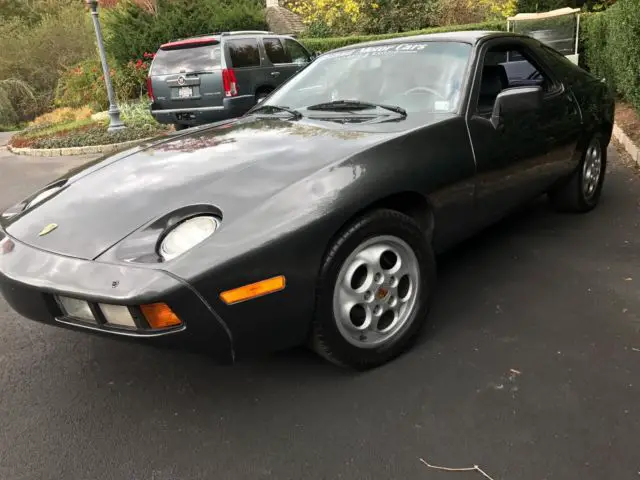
x,y
515,100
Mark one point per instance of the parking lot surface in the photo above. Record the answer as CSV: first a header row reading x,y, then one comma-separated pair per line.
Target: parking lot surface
x,y
530,368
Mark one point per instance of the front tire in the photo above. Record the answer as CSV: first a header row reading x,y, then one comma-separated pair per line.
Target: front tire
x,y
374,291
581,193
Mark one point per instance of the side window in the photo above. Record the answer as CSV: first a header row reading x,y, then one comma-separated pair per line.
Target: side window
x,y
508,67
275,51
557,61
244,52
296,51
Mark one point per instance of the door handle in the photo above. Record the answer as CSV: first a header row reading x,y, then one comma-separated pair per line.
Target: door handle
x,y
275,74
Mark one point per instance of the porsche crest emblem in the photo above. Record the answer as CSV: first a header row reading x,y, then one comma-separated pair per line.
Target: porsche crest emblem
x,y
48,229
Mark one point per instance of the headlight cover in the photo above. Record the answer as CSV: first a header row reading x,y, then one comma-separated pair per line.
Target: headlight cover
x,y
42,196
187,235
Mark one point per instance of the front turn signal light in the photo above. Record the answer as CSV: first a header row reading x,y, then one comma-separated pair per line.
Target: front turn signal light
x,y
159,315
258,289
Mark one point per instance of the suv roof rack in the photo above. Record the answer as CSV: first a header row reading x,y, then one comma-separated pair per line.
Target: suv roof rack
x,y
248,32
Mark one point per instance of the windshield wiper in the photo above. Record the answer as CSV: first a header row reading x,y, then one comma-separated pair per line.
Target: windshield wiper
x,y
296,114
356,104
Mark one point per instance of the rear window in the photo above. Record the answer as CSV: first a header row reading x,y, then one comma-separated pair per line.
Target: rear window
x,y
244,52
203,58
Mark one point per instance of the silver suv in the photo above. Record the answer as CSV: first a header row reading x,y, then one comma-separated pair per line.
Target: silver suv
x,y
219,76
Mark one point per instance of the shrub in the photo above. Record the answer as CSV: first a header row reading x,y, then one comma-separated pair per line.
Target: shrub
x,y
10,89
612,49
137,115
350,17
36,48
326,44
131,30
63,115
130,79
84,135
82,85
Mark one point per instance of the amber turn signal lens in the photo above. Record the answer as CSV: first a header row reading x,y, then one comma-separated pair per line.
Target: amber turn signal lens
x,y
159,315
258,289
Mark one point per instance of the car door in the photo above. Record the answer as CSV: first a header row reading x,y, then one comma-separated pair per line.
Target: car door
x,y
517,161
297,55
245,59
279,57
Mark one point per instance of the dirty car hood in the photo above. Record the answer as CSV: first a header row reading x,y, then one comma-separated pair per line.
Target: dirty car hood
x,y
232,166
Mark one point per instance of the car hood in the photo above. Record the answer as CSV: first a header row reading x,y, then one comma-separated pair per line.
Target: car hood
x,y
234,166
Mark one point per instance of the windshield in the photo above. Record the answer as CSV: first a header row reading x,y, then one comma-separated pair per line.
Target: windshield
x,y
417,76
194,59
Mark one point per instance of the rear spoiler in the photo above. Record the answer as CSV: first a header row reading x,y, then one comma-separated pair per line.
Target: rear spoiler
x,y
190,42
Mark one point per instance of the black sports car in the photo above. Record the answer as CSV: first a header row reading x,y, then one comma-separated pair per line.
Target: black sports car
x,y
315,218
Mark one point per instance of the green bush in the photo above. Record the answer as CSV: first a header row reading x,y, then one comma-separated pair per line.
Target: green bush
x,y
10,89
130,30
326,44
38,47
96,135
612,49
137,115
83,84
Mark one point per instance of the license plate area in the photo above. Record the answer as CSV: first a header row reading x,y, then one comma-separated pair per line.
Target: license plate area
x,y
185,92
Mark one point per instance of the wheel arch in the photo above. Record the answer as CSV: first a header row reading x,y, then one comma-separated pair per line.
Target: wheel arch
x,y
264,89
410,203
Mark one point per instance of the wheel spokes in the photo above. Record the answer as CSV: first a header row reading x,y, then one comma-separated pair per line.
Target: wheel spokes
x,y
375,294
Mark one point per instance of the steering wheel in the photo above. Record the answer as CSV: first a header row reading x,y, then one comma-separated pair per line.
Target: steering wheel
x,y
424,89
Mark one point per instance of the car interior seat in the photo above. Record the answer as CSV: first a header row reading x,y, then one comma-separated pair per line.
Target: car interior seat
x,y
494,80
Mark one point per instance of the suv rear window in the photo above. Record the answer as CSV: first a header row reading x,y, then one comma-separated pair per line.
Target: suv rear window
x,y
244,52
193,59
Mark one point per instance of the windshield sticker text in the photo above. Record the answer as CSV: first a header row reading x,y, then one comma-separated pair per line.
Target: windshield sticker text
x,y
379,50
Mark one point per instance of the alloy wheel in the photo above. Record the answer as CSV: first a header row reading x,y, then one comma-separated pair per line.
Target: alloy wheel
x,y
376,292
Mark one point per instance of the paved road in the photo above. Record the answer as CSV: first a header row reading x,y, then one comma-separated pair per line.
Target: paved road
x,y
552,297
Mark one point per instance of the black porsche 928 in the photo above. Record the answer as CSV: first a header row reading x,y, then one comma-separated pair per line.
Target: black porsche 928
x,y
316,217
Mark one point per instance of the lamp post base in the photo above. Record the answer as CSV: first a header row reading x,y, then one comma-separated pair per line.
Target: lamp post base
x,y
115,124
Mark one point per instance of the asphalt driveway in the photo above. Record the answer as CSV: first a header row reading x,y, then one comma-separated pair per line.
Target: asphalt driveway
x,y
530,368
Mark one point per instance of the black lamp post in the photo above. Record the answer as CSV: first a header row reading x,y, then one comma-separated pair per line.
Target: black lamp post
x,y
114,113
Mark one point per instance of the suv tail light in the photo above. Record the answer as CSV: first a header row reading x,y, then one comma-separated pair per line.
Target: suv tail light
x,y
150,89
230,83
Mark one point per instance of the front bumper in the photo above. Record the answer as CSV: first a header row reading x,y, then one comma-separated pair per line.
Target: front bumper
x,y
31,278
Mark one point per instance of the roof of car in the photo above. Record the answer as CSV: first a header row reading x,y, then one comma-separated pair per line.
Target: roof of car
x,y
217,37
468,36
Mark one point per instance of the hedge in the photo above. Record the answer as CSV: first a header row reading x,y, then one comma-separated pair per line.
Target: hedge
x,y
325,44
612,48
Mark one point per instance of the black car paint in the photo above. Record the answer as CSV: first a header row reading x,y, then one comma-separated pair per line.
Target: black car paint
x,y
284,188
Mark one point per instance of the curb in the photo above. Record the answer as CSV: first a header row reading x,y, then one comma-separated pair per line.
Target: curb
x,y
58,152
627,143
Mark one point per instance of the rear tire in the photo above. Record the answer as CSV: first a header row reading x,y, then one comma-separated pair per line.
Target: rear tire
x,y
179,126
374,291
581,193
